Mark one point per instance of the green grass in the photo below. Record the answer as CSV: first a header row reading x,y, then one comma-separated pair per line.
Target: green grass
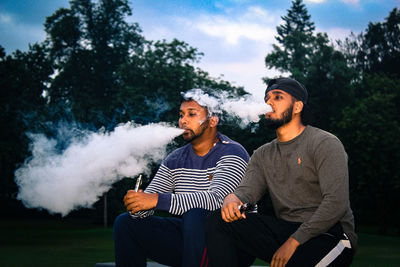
x,y
77,243
53,243
376,250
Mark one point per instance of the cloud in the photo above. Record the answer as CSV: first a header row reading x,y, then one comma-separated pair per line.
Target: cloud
x,y
247,71
16,35
338,33
315,1
351,1
234,46
232,32
254,25
5,18
354,4
234,41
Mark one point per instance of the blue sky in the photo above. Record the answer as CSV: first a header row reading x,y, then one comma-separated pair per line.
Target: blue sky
x,y
234,35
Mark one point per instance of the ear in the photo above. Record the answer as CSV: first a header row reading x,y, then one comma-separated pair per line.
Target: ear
x,y
298,107
214,121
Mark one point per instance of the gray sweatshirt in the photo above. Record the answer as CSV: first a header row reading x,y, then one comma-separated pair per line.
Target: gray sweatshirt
x,y
307,179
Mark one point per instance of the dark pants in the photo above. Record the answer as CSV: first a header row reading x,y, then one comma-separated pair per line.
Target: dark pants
x,y
168,240
261,235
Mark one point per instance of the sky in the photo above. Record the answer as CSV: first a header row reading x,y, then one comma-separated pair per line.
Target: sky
x,y
234,35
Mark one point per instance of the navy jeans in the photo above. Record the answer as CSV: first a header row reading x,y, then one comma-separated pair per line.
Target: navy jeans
x,y
167,240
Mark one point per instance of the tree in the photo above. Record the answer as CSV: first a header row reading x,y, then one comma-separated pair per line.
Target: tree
x,y
151,83
88,43
330,82
295,38
380,47
94,69
312,60
24,78
370,126
369,129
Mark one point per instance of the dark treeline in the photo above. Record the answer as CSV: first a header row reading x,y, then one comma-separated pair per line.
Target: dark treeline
x,y
96,70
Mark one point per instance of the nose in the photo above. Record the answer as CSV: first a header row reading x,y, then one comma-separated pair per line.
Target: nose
x,y
182,120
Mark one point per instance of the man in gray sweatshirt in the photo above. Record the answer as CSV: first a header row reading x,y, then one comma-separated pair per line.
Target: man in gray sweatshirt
x,y
305,172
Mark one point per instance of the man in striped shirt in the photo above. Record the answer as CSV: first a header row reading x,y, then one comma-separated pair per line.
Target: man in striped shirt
x,y
191,181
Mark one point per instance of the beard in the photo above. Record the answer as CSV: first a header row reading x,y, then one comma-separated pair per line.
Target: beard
x,y
286,117
193,135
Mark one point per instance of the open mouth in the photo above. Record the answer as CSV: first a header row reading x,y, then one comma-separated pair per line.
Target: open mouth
x,y
269,112
186,131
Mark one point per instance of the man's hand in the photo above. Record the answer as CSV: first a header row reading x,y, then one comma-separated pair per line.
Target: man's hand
x,y
284,253
230,209
137,201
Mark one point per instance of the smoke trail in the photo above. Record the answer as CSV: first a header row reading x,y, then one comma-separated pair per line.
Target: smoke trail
x,y
246,107
92,161
77,177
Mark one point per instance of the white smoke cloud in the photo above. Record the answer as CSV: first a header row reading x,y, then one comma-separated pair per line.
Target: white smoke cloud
x,y
247,108
92,161
78,176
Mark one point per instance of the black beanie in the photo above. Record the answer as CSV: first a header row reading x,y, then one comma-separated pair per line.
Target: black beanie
x,y
290,86
295,89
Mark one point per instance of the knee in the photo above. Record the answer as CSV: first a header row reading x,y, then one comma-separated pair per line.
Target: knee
x,y
194,219
122,219
121,223
196,214
213,220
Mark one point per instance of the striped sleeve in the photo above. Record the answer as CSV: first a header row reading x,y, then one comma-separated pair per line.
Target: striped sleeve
x,y
227,176
161,183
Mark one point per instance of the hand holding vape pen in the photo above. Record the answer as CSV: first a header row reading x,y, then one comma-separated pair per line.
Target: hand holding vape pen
x,y
138,183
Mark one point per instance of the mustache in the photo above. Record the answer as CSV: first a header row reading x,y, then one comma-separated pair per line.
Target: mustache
x,y
187,129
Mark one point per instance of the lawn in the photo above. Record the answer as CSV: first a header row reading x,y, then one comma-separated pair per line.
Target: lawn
x,y
77,243
53,243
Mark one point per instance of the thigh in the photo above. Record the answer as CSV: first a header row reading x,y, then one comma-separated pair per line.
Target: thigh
x,y
266,234
193,236
193,223
323,250
160,238
260,235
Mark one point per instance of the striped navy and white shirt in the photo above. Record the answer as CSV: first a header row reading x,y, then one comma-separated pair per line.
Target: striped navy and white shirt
x,y
186,180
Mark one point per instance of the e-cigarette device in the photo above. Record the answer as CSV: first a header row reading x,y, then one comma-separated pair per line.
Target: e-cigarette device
x,y
138,183
248,208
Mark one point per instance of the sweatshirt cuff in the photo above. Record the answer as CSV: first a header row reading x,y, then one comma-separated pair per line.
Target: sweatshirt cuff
x,y
164,201
241,197
300,236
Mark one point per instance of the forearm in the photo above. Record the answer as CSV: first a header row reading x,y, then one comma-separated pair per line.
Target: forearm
x,y
253,185
227,176
324,218
332,172
284,253
162,181
181,203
